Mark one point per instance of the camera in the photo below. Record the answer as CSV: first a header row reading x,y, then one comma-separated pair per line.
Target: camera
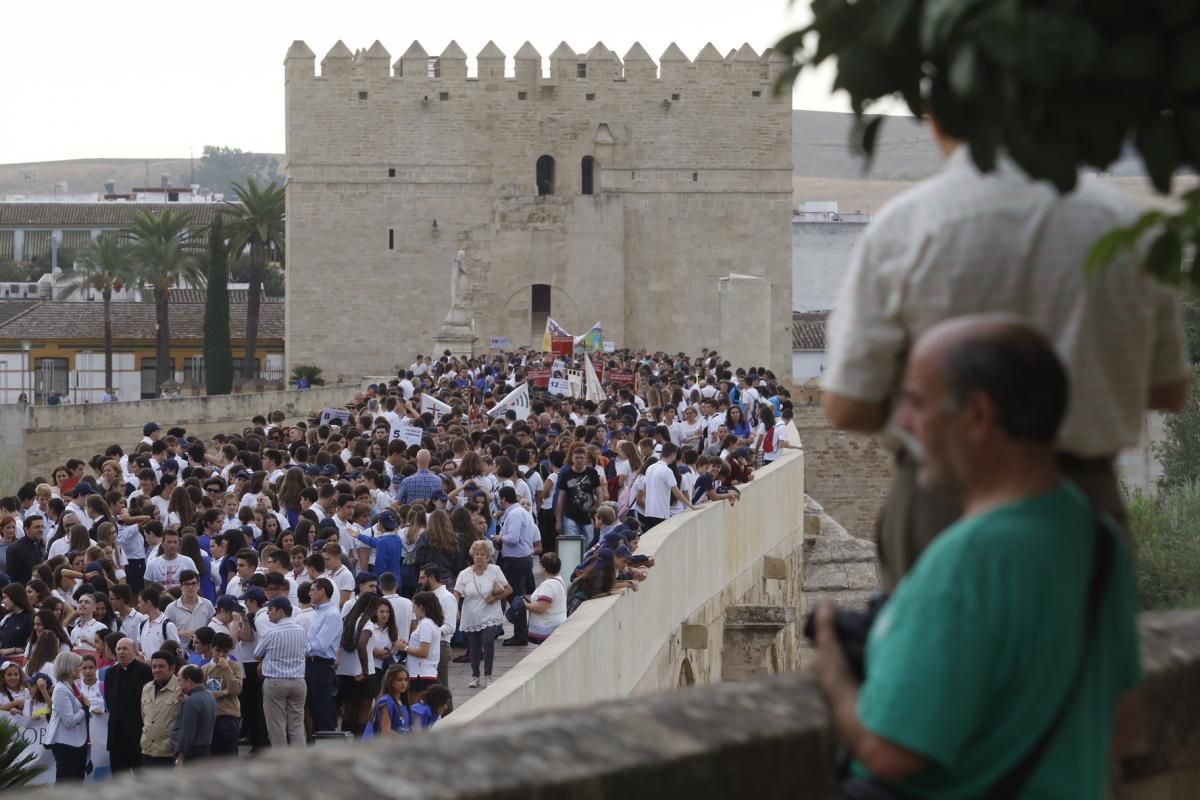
x,y
852,627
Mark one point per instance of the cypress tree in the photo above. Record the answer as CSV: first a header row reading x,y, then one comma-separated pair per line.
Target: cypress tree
x,y
218,352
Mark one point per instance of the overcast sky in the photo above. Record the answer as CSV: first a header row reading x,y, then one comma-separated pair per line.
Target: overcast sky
x,y
139,79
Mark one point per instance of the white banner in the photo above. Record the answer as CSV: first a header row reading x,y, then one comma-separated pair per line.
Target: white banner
x,y
409,434
593,391
610,347
560,386
500,343
517,400
431,403
338,416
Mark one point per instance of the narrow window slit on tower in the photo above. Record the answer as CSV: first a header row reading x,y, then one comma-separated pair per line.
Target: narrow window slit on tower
x,y
391,238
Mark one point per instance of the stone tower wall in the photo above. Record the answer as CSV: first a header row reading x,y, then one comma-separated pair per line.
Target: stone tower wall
x,y
692,182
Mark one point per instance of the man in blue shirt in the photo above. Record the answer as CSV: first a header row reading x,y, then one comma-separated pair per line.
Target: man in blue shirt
x,y
517,537
421,485
323,638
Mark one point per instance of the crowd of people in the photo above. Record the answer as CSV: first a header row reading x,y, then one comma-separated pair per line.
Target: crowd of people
x,y
183,597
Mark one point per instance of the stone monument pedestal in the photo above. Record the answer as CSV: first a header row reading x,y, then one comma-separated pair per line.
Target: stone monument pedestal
x,y
456,335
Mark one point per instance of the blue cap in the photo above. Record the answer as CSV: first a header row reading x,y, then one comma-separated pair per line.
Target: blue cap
x,y
329,470
623,552
228,603
387,520
281,603
364,577
255,593
438,495
327,523
149,428
612,540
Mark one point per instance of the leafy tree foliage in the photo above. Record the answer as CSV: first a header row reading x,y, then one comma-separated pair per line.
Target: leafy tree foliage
x,y
221,167
218,351
1057,86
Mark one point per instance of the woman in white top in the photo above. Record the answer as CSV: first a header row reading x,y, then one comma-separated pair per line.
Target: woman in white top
x,y
383,640
68,731
77,539
424,645
547,606
86,630
355,666
481,587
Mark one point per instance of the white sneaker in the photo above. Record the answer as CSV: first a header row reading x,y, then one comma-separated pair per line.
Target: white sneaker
x,y
487,680
473,683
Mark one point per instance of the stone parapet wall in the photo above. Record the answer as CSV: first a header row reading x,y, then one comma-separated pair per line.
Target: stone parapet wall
x,y
706,561
766,738
34,440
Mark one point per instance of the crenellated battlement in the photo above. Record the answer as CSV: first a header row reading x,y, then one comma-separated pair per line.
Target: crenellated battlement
x,y
527,66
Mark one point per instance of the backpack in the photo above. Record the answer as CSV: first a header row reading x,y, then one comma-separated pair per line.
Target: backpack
x,y
165,621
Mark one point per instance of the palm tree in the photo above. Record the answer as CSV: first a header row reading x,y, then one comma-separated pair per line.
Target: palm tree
x,y
256,221
17,764
162,254
106,265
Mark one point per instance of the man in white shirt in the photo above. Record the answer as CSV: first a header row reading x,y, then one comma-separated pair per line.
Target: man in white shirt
x,y
401,606
155,628
661,488
335,570
124,605
167,568
431,581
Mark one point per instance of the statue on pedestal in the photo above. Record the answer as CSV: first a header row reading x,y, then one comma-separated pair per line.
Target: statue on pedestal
x,y
457,332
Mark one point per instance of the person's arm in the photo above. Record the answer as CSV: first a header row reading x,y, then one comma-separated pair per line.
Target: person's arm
x,y
364,658
882,758
385,721
852,414
559,506
344,597
246,630
678,494
261,648
420,650
183,735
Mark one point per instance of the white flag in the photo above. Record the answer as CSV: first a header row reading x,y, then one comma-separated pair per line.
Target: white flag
x,y
517,400
594,391
431,403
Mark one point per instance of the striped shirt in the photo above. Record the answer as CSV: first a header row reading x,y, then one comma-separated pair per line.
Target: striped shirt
x,y
964,243
281,650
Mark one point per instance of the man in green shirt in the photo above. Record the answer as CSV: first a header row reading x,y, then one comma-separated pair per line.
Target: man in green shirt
x,y
972,656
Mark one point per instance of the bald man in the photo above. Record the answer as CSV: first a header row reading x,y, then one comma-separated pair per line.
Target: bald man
x,y
418,487
986,640
964,242
123,684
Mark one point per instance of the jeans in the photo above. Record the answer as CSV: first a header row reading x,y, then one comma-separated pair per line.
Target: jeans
x,y
519,617
225,736
319,679
573,528
485,641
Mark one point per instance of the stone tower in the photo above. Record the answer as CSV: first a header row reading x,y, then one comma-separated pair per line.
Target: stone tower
x,y
612,190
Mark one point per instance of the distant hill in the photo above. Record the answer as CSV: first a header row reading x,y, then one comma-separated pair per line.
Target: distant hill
x,y
85,175
821,158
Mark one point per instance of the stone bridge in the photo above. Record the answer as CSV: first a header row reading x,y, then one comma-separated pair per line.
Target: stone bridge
x,y
723,607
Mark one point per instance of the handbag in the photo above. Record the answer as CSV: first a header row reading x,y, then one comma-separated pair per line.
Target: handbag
x,y
1009,785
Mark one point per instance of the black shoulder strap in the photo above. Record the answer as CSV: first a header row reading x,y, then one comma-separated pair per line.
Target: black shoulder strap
x,y
1010,785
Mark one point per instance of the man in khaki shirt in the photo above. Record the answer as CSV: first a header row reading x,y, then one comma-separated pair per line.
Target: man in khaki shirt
x,y
160,706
